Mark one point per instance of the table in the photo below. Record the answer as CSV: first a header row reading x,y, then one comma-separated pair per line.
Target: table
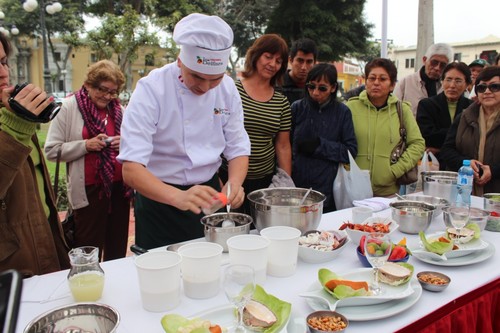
x,y
42,293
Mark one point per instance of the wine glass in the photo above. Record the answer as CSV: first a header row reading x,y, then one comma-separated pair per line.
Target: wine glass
x,y
378,247
239,286
459,216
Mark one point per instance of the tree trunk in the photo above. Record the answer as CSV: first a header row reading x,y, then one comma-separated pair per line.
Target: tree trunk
x,y
425,30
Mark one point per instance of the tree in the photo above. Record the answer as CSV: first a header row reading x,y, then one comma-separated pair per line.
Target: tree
x,y
337,26
121,36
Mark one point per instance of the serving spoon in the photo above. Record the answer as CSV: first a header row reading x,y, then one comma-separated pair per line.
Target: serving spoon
x,y
321,295
227,223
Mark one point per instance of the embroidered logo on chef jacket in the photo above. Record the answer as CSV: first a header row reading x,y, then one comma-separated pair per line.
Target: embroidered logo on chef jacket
x,y
221,111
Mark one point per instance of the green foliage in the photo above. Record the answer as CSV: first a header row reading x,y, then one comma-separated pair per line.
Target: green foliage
x,y
337,26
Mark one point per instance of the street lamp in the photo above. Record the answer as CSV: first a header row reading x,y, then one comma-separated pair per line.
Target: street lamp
x,y
51,8
14,31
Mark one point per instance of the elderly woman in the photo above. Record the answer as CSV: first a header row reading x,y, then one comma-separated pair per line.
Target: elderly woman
x,y
435,114
322,133
87,135
266,112
475,135
376,124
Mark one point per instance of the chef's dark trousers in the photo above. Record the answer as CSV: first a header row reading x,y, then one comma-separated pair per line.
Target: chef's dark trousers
x,y
158,224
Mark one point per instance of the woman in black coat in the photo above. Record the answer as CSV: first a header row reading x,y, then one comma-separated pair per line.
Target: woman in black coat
x,y
435,114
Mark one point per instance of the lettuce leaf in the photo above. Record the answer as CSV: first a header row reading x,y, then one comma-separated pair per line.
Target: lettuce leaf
x,y
436,246
342,291
172,322
281,309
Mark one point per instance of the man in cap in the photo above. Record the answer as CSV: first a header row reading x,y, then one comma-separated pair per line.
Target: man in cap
x,y
427,81
475,67
179,121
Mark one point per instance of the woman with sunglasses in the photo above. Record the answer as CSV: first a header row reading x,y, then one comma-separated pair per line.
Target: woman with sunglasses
x,y
376,124
322,133
475,135
86,134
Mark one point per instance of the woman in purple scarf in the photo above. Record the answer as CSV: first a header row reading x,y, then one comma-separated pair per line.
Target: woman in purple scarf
x,y
87,135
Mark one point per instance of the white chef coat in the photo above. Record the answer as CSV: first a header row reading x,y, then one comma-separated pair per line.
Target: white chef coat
x,y
177,135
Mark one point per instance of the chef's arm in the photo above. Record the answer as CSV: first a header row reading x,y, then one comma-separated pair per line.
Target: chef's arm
x,y
143,181
237,172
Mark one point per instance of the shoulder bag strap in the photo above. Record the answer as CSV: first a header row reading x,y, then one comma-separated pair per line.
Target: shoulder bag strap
x,y
402,129
56,177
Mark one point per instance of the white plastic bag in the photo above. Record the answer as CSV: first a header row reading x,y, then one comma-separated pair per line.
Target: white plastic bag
x,y
351,185
429,162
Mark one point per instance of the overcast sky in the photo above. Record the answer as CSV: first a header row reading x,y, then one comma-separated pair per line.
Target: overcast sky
x,y
454,20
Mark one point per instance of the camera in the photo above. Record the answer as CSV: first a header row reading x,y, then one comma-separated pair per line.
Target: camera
x,y
108,141
44,117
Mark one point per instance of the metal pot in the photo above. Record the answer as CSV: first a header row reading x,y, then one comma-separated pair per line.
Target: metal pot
x,y
281,206
215,233
412,216
441,184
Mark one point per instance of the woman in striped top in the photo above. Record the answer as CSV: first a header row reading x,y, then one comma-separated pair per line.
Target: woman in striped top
x,y
266,111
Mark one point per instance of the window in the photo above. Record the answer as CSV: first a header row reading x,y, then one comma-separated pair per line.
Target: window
x,y
57,56
410,63
93,57
149,60
457,57
489,56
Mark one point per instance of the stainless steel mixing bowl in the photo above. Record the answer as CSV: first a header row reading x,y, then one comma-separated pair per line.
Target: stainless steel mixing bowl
x,y
441,184
76,318
412,216
281,206
216,233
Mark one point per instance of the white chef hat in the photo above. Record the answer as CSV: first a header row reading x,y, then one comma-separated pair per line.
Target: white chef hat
x,y
205,43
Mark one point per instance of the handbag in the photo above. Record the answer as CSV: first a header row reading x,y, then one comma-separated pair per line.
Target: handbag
x,y
68,224
410,176
350,185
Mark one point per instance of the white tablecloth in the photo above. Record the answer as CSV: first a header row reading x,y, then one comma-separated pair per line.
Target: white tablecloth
x,y
42,293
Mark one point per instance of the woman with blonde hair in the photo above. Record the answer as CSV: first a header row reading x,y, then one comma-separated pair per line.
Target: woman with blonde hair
x,y
86,134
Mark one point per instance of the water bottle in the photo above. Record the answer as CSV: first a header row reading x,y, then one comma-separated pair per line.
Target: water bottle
x,y
465,180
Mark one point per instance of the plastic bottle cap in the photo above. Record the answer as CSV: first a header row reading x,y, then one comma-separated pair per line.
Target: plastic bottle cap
x,y
466,162
222,197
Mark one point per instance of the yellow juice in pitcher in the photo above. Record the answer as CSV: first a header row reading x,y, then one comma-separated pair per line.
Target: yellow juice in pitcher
x,y
86,286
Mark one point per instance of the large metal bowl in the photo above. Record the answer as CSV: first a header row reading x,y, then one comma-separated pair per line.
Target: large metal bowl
x,y
441,184
281,206
438,202
77,317
412,216
216,233
476,215
492,204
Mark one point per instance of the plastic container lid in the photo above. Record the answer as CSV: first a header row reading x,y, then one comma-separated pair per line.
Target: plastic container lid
x,y
222,198
466,162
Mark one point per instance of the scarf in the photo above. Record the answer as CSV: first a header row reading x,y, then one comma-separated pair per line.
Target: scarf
x,y
430,84
95,126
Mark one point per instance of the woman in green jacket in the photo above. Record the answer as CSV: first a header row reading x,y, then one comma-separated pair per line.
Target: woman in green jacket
x,y
376,125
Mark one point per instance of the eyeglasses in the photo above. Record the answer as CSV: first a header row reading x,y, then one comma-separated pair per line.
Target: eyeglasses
x,y
106,91
380,79
436,63
458,82
493,87
313,87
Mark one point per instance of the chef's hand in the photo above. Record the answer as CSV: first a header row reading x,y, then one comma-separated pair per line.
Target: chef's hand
x,y
195,198
96,143
237,195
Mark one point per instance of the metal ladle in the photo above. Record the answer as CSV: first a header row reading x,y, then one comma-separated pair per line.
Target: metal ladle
x,y
227,223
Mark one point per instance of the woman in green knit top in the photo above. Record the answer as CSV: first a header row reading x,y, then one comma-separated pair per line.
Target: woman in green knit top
x,y
31,238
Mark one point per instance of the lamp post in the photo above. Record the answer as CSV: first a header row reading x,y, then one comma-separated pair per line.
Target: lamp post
x,y
51,8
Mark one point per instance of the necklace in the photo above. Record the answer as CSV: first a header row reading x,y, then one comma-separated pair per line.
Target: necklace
x,y
106,118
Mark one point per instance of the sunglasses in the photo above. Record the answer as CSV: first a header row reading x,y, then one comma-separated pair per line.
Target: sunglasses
x,y
313,87
436,63
493,87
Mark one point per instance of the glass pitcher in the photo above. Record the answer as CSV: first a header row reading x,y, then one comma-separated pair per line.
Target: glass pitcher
x,y
86,277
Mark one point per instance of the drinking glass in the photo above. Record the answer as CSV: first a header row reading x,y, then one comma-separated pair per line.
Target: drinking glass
x,y
459,216
378,247
239,286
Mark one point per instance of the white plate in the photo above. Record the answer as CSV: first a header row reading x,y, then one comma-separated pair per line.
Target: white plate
x,y
355,235
376,311
463,249
224,316
364,274
472,258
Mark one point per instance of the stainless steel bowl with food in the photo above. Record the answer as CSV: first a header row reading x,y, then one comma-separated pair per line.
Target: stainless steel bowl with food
x,y
282,206
77,317
412,216
433,281
324,321
216,231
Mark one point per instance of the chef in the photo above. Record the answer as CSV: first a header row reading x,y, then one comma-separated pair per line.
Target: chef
x,y
180,119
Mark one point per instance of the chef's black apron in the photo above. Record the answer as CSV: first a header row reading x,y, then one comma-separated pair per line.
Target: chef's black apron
x,y
158,224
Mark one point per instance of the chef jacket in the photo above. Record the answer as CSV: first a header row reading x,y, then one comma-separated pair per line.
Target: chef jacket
x,y
180,136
